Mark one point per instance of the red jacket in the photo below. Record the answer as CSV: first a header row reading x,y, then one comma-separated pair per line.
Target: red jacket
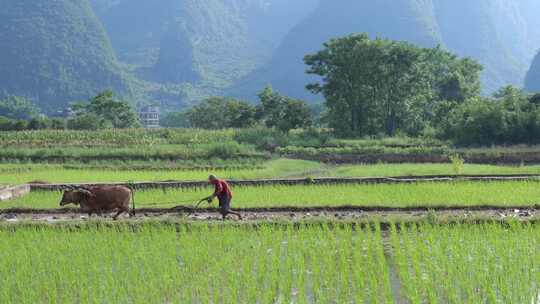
x,y
222,188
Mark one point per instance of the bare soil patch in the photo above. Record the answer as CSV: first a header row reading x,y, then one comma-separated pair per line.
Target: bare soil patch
x,y
293,214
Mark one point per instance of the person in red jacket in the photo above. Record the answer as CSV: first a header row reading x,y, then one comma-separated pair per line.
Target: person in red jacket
x,y
224,194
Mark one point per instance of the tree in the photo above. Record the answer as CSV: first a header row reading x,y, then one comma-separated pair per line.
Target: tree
x,y
58,124
240,114
39,123
87,121
383,86
116,112
272,106
222,112
175,120
15,107
5,124
509,117
282,112
107,112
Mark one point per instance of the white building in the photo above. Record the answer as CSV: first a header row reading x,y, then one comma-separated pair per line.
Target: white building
x,y
149,116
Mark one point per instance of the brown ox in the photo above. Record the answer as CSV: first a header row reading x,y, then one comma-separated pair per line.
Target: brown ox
x,y
99,199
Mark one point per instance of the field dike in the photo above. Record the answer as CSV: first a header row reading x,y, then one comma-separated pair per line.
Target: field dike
x,y
517,158
335,214
300,181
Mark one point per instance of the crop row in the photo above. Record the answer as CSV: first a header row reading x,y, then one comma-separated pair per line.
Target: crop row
x,y
220,150
279,168
24,173
155,263
132,137
425,194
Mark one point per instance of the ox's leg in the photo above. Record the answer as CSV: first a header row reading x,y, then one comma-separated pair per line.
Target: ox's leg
x,y
120,211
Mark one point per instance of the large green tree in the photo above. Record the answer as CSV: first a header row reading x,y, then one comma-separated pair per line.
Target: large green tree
x,y
15,107
104,111
114,111
384,86
282,112
220,113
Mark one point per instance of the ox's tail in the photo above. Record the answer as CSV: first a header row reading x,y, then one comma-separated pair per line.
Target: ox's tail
x,y
132,202
131,187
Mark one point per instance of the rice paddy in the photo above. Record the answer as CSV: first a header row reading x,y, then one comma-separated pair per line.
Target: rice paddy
x,y
10,174
280,260
423,194
269,263
279,168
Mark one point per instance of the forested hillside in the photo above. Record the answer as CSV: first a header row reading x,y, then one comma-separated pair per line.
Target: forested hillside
x,y
213,41
177,52
532,83
54,52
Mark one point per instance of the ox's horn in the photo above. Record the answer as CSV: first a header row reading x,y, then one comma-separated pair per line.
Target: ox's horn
x,y
85,191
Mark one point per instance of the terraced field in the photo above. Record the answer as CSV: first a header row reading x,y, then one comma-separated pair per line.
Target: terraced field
x,y
451,240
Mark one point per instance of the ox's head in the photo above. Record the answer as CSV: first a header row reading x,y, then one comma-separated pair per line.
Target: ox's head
x,y
75,196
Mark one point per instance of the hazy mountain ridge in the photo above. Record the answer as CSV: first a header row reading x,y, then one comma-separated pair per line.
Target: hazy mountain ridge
x,y
177,52
388,19
54,51
502,35
532,82
497,33
225,38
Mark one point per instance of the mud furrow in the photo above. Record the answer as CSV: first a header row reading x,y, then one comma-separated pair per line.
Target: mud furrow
x,y
51,215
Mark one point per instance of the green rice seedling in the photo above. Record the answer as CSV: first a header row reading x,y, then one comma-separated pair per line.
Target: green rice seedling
x,y
230,169
269,263
12,174
487,263
428,169
209,264
432,195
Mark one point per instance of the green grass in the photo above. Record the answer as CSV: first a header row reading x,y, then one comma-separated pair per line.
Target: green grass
x,y
18,174
468,264
159,263
429,169
168,152
279,168
382,195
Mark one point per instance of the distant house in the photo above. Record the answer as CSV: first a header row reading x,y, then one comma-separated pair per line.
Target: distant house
x,y
149,116
64,113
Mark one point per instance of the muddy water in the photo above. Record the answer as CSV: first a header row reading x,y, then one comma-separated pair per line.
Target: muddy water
x,y
269,215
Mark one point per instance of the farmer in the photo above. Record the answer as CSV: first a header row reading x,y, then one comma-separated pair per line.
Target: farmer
x,y
223,193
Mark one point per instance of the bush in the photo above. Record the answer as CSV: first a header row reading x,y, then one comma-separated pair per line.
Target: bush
x,y
88,121
262,138
225,150
510,117
38,123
